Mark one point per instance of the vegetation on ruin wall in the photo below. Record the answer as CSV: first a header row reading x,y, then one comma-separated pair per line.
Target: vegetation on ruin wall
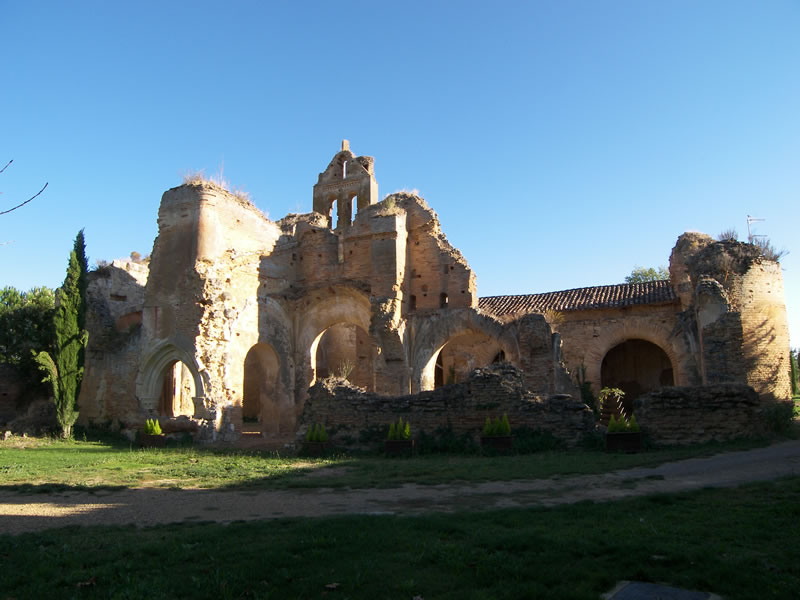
x,y
57,465
734,542
63,364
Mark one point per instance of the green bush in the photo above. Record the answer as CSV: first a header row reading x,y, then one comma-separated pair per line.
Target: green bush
x,y
623,425
497,428
316,433
400,431
152,427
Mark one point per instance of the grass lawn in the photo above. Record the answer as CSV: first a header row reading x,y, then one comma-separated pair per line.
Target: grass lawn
x,y
740,543
49,465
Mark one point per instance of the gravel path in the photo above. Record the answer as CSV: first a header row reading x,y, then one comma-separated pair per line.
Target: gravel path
x,y
20,513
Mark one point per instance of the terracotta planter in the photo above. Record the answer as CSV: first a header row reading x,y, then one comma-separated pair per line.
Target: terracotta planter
x,y
398,447
315,448
627,441
498,443
147,440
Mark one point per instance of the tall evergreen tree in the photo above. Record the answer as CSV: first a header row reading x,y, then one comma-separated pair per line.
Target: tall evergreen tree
x,y
64,367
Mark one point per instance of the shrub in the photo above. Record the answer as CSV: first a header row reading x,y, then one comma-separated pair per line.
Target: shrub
x,y
400,431
152,427
497,428
622,425
317,433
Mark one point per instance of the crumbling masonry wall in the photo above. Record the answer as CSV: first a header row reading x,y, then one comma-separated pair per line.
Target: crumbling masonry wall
x,y
694,415
354,417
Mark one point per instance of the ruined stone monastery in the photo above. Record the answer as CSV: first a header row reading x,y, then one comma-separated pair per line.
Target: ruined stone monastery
x,y
238,322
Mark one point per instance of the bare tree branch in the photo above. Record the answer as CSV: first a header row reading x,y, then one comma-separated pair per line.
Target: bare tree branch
x,y
8,163
5,212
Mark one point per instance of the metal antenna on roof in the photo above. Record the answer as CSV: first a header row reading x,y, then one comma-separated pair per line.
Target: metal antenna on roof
x,y
750,235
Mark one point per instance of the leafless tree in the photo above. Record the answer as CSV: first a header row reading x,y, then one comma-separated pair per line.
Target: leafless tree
x,y
21,204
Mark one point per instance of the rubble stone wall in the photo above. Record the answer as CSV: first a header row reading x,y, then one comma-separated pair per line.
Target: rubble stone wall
x,y
697,414
500,389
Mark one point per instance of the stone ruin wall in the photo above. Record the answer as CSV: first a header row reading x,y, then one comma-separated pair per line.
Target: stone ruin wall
x,y
226,284
355,418
699,414
114,320
734,298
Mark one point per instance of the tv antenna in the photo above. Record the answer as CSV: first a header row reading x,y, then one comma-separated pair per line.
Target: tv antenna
x,y
750,235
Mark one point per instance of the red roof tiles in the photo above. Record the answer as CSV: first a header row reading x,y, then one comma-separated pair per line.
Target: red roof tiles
x,y
603,296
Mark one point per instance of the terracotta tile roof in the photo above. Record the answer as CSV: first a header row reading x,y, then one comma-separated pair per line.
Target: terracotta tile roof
x,y
602,296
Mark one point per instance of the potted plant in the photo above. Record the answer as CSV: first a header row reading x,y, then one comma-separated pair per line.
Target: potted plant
x,y
622,434
316,443
152,437
398,441
496,434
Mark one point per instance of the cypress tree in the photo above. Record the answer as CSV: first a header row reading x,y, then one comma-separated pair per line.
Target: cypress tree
x,y
63,366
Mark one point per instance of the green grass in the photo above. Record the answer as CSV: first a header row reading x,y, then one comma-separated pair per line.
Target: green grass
x,y
47,465
739,543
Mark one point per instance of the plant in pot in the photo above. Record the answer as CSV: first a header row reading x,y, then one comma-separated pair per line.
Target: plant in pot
x,y
316,443
398,440
622,434
151,436
496,434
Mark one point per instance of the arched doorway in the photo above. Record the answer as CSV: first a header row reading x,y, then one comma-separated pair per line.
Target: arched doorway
x,y
177,391
636,367
260,403
345,350
462,354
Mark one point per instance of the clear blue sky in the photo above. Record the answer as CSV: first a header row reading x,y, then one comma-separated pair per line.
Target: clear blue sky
x,y
561,142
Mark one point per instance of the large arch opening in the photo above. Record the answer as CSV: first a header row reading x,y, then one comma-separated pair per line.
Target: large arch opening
x,y
260,403
636,367
458,357
345,350
177,391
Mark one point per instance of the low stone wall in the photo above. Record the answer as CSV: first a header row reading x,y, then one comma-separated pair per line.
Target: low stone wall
x,y
354,417
691,415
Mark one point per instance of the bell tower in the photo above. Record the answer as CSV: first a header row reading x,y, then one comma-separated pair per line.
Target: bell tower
x,y
347,184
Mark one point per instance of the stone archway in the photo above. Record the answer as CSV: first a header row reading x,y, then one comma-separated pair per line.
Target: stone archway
x,y
150,379
322,311
346,350
177,391
460,355
260,391
643,329
636,367
459,340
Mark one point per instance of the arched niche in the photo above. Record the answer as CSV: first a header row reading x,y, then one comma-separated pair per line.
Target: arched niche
x,y
636,367
345,349
461,355
458,342
321,311
177,391
159,364
261,406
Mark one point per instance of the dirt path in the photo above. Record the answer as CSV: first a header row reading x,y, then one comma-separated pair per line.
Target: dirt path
x,y
21,513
